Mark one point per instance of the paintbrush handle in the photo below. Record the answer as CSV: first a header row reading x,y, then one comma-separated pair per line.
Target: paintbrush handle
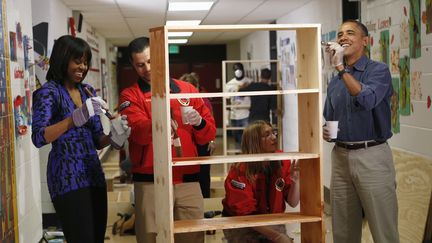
x,y
106,112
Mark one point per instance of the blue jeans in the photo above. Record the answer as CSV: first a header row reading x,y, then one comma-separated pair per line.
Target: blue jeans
x,y
238,133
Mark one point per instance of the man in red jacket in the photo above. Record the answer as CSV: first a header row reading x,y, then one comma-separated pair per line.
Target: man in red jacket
x,y
201,129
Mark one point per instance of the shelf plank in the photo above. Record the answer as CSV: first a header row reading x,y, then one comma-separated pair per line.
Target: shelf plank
x,y
235,128
238,27
221,159
250,93
184,226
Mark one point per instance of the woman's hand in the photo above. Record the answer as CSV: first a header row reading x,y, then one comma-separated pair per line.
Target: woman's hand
x,y
295,171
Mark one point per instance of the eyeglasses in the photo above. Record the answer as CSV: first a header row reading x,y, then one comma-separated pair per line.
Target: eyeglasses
x,y
267,134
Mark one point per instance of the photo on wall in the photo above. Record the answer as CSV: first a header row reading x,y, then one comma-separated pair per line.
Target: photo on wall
x,y
13,46
404,91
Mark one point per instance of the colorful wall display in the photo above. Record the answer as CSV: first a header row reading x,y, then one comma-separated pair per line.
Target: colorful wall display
x,y
414,28
8,204
404,92
385,46
427,16
395,124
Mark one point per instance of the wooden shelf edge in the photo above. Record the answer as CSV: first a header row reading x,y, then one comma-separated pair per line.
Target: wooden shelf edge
x,y
222,159
184,226
248,93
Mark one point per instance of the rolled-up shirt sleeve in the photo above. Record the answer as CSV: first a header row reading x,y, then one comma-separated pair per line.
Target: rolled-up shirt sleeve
x,y
43,105
374,87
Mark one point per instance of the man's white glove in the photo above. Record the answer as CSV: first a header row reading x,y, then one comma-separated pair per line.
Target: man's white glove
x,y
338,53
120,131
193,117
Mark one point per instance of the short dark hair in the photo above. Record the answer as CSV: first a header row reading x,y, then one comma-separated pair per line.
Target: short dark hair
x,y
265,73
238,65
65,49
359,24
138,45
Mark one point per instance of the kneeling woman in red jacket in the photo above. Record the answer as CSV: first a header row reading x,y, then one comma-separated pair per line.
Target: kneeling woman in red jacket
x,y
260,187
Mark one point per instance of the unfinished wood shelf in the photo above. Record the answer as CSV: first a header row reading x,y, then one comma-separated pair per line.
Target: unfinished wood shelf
x,y
222,159
183,226
308,93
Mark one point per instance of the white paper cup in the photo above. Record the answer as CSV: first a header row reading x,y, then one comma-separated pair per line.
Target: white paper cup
x,y
184,110
333,128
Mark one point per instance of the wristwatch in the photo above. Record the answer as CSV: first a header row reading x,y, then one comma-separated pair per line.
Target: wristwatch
x,y
341,72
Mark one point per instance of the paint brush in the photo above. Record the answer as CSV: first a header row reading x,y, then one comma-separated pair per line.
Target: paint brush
x,y
106,112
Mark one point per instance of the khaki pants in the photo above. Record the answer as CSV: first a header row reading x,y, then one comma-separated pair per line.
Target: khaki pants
x,y
364,179
188,204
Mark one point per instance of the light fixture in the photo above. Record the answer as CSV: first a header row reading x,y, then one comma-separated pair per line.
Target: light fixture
x,y
182,22
189,6
179,34
177,41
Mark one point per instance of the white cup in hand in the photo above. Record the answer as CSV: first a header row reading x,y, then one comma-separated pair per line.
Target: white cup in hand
x,y
332,128
184,110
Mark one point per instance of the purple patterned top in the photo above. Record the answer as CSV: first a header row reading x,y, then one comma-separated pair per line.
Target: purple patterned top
x,y
73,162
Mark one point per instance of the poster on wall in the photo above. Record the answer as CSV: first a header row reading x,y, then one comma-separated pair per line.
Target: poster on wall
x,y
104,77
385,46
416,88
414,27
327,70
288,60
93,77
395,124
428,16
13,46
404,91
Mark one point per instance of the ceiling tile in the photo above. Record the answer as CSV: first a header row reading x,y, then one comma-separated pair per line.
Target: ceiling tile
x,y
230,12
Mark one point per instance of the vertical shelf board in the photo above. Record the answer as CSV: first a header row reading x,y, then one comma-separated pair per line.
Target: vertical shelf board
x,y
312,232
311,196
225,115
308,58
309,125
160,129
311,199
309,120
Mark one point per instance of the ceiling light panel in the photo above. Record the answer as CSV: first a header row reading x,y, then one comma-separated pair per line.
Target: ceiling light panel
x,y
177,41
189,6
183,22
179,34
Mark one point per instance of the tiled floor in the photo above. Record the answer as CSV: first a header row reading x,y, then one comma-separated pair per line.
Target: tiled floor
x,y
217,172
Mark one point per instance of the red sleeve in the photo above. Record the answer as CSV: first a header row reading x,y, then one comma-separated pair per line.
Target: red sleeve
x,y
138,116
286,174
238,201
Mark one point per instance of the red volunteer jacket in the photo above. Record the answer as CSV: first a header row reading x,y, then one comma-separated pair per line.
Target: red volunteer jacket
x,y
135,102
245,198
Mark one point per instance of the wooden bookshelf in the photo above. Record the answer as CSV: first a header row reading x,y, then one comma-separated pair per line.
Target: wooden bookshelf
x,y
308,92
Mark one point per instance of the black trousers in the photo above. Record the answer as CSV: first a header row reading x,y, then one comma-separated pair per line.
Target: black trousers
x,y
204,171
83,214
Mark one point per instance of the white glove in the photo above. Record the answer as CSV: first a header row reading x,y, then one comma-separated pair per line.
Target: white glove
x,y
120,131
92,106
338,53
193,117
174,127
211,147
